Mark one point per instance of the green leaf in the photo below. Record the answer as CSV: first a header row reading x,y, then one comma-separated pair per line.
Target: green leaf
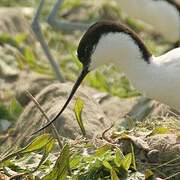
x,y
7,39
4,113
15,109
75,161
20,38
78,107
76,60
48,148
103,149
160,130
61,166
136,25
118,158
71,4
102,81
126,162
30,57
133,157
10,112
38,143
107,165
149,175
114,176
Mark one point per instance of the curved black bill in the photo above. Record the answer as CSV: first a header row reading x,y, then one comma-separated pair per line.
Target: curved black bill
x,y
82,75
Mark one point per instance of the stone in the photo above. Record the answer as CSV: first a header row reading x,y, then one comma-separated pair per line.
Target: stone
x,y
8,63
116,108
52,99
13,21
165,146
3,176
4,125
32,82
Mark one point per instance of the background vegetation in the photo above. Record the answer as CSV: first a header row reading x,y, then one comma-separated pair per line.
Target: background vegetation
x,y
80,159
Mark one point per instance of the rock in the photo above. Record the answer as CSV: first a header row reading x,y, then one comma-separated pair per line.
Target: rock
x,y
163,110
4,125
15,82
13,21
32,82
26,81
136,176
3,176
166,146
52,99
126,112
116,108
28,12
6,71
8,63
160,150
9,71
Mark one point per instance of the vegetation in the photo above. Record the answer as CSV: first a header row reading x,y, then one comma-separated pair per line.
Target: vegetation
x,y
81,159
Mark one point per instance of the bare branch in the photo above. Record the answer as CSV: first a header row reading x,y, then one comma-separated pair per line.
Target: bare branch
x,y
55,131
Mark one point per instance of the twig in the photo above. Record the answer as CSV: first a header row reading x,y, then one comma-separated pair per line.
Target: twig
x,y
45,115
17,176
157,164
104,133
114,145
109,141
166,163
172,176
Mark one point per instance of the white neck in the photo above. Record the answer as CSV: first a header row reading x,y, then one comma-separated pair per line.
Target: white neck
x,y
121,50
157,79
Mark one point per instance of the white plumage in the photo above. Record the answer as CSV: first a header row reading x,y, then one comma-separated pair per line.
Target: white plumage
x,y
107,42
159,79
161,15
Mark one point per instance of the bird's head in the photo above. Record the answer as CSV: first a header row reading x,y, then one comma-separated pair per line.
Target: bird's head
x,y
101,43
91,54
103,40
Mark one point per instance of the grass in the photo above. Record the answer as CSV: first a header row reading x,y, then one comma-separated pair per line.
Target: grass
x,y
81,159
76,162
9,3
10,111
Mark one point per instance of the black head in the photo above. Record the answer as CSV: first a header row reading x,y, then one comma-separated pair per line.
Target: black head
x,y
88,44
92,36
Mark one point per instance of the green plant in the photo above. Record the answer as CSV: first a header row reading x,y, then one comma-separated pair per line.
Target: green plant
x,y
11,111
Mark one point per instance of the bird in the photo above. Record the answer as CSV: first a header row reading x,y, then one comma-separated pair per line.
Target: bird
x,y
109,42
166,22
162,15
